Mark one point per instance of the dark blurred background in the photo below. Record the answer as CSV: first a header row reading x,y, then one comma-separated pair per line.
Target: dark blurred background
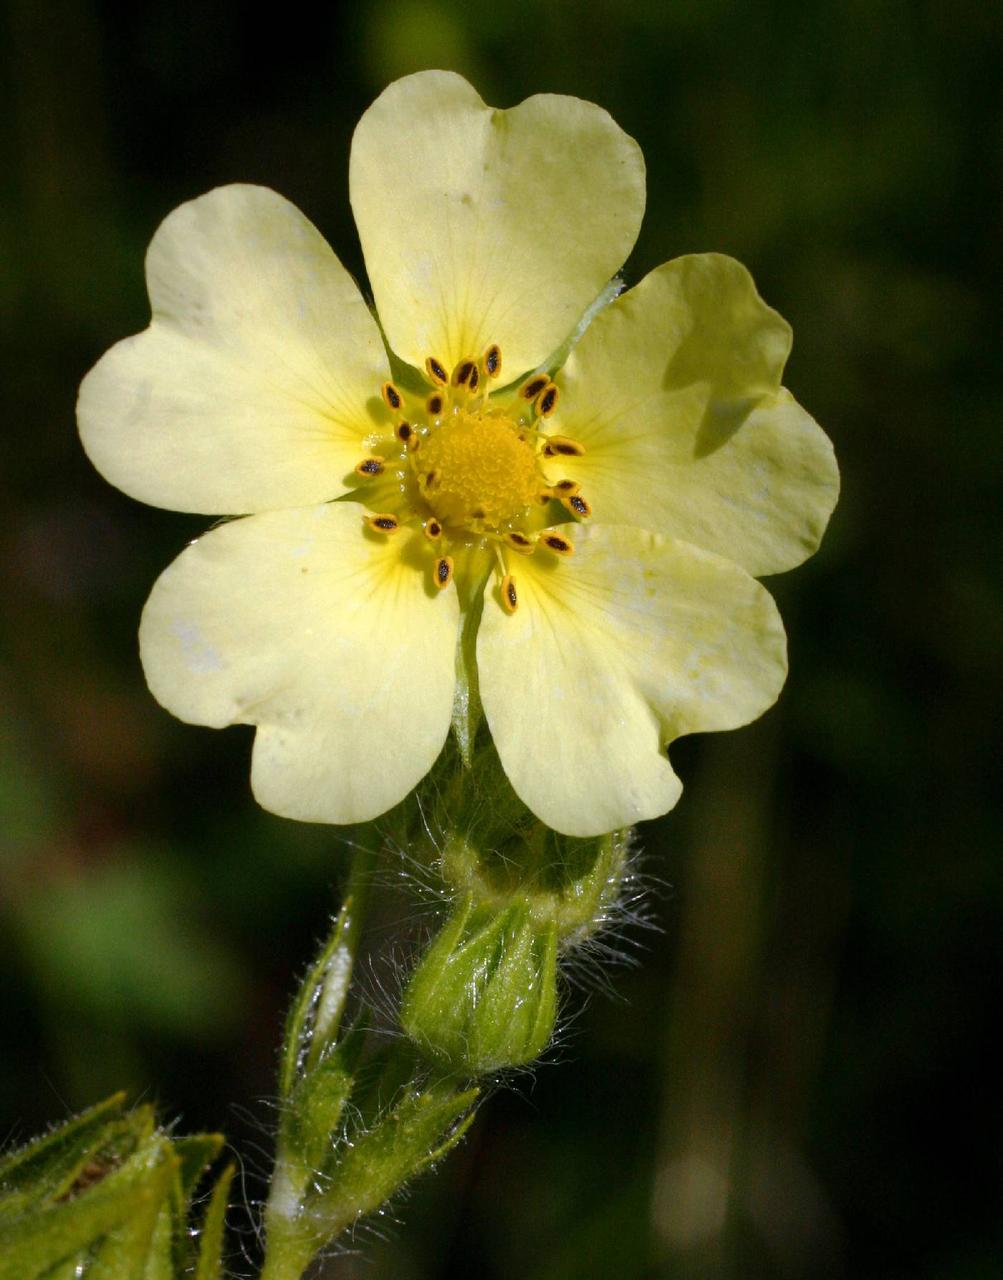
x,y
799,1079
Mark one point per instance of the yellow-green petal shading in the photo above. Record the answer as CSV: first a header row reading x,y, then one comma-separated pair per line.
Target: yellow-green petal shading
x,y
328,637
485,227
674,391
611,654
249,390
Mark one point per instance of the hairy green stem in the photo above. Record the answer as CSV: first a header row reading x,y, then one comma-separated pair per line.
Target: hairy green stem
x,y
313,1025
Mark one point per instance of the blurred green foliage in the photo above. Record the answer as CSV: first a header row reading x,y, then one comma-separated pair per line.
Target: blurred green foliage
x,y
799,1080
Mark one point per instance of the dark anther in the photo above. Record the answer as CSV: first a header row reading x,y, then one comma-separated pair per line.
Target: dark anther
x,y
563,446
533,388
436,372
492,361
392,396
545,405
555,543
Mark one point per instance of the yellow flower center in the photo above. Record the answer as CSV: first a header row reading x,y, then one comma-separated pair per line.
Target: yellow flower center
x,y
479,467
468,467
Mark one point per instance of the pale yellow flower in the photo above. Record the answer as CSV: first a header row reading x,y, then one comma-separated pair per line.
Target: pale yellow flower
x,y
610,521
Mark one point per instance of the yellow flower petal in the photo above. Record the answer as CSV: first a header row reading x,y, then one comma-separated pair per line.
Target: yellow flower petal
x,y
329,638
611,654
248,391
674,391
482,226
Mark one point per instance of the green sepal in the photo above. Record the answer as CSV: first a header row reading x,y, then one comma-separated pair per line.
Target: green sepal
x,y
468,713
484,996
170,1252
418,1131
609,293
209,1265
487,844
196,1152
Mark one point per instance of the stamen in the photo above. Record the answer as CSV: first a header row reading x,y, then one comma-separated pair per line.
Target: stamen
x,y
546,402
405,432
577,505
474,378
433,405
492,360
566,488
433,529
436,372
531,389
509,598
560,546
443,571
462,372
520,541
382,522
391,396
561,445
369,467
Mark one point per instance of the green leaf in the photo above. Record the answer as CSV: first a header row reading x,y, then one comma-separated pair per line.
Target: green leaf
x,y
196,1152
316,1014
137,1248
49,1166
368,1169
122,1205
65,1180
419,1130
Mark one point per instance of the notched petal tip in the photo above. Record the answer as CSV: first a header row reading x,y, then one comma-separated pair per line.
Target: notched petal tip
x,y
247,391
655,638
459,205
240,630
